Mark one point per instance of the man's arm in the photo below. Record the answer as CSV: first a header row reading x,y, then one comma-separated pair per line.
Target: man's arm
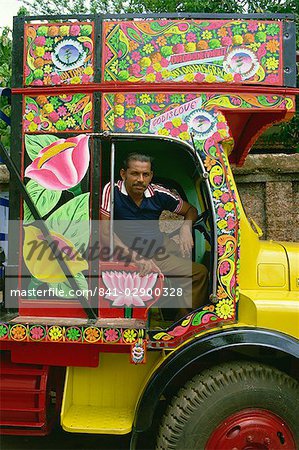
x,y
190,215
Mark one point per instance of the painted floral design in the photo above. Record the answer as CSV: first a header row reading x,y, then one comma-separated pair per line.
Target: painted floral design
x,y
92,334
224,267
111,335
39,257
226,221
37,333
58,113
55,333
193,51
73,334
221,293
57,165
18,332
225,309
129,336
129,289
177,115
186,327
59,54
3,331
62,164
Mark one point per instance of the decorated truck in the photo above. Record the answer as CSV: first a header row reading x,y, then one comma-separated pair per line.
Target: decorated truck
x,y
78,347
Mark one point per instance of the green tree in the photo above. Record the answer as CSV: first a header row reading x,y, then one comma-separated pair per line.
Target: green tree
x,y
73,6
158,6
5,80
5,75
5,56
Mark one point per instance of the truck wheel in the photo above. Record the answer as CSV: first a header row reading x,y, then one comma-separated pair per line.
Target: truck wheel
x,y
234,406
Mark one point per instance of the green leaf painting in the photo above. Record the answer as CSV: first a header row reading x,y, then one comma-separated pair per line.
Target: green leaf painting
x,y
35,143
63,290
72,221
197,318
33,286
44,200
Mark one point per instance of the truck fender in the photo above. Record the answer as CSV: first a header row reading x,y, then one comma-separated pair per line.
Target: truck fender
x,y
234,339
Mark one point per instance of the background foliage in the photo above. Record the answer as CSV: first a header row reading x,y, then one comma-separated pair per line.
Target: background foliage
x,y
159,6
5,79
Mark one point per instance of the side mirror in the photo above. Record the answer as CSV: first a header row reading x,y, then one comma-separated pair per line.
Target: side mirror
x,y
255,227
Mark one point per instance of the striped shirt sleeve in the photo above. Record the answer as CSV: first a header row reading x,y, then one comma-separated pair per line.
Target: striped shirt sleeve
x,y
105,204
169,200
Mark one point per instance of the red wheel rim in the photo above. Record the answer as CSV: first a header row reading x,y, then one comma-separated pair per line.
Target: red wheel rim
x,y
252,429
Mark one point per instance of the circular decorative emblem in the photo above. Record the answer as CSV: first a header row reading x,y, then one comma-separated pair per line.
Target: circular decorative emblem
x,y
37,333
92,334
73,334
3,331
111,335
130,336
202,124
18,332
242,61
68,54
55,333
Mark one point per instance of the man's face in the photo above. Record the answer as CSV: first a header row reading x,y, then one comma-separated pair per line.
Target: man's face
x,y
137,177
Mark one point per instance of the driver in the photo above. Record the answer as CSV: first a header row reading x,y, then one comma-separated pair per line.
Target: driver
x,y
138,205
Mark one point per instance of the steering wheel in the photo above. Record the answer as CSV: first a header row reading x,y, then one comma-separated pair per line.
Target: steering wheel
x,y
201,224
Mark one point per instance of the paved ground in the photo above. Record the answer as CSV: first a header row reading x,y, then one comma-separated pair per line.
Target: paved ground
x,y
60,440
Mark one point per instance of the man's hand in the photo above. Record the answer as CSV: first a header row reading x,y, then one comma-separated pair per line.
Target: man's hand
x,y
146,266
186,240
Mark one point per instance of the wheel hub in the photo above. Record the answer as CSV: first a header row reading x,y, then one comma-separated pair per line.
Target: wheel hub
x,y
252,429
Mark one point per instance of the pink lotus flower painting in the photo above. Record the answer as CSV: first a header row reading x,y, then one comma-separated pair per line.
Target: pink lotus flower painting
x,y
129,288
62,164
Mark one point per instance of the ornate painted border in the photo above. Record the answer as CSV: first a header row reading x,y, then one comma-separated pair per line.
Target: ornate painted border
x,y
58,53
226,51
19,332
58,113
139,113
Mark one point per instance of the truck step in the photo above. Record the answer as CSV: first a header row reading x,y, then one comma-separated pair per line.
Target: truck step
x,y
96,419
103,399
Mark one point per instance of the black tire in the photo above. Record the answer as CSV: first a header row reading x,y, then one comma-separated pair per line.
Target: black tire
x,y
222,391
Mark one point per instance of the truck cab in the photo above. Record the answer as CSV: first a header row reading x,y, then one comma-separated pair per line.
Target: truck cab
x,y
194,94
